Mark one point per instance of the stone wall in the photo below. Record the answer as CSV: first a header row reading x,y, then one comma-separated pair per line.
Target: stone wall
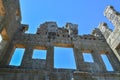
x,y
102,41
113,39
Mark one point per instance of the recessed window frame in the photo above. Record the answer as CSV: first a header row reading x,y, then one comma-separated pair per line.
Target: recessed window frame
x,y
17,55
39,52
60,66
86,56
107,62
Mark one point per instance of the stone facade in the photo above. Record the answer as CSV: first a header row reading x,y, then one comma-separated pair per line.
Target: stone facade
x,y
102,41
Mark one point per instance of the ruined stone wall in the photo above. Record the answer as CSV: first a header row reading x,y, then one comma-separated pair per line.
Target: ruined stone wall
x,y
113,39
24,74
8,23
48,36
94,44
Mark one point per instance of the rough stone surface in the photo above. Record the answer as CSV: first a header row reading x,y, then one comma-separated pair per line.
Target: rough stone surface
x,y
102,41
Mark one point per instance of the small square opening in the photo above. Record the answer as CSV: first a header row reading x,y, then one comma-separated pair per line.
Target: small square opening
x,y
87,57
39,54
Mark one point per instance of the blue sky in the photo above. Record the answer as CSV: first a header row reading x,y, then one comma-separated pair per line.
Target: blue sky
x,y
86,13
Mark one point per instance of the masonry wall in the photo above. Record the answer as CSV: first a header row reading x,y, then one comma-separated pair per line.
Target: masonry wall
x,y
48,36
113,39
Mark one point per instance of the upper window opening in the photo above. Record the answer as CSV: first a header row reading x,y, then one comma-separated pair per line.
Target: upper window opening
x,y
39,54
87,57
107,62
64,58
17,57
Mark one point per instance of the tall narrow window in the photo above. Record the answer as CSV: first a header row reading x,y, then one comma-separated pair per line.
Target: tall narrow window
x,y
39,54
87,57
107,62
64,58
17,57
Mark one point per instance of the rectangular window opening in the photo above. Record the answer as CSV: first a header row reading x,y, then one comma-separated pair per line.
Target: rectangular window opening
x,y
88,57
17,57
107,62
39,54
64,58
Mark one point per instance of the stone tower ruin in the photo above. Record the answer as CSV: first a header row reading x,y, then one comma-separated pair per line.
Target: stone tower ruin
x,y
102,41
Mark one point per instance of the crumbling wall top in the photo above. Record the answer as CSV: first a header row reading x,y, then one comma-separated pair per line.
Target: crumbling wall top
x,y
47,27
110,10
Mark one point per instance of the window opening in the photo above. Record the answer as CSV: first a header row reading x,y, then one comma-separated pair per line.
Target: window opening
x,y
64,58
17,57
107,62
87,57
39,54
